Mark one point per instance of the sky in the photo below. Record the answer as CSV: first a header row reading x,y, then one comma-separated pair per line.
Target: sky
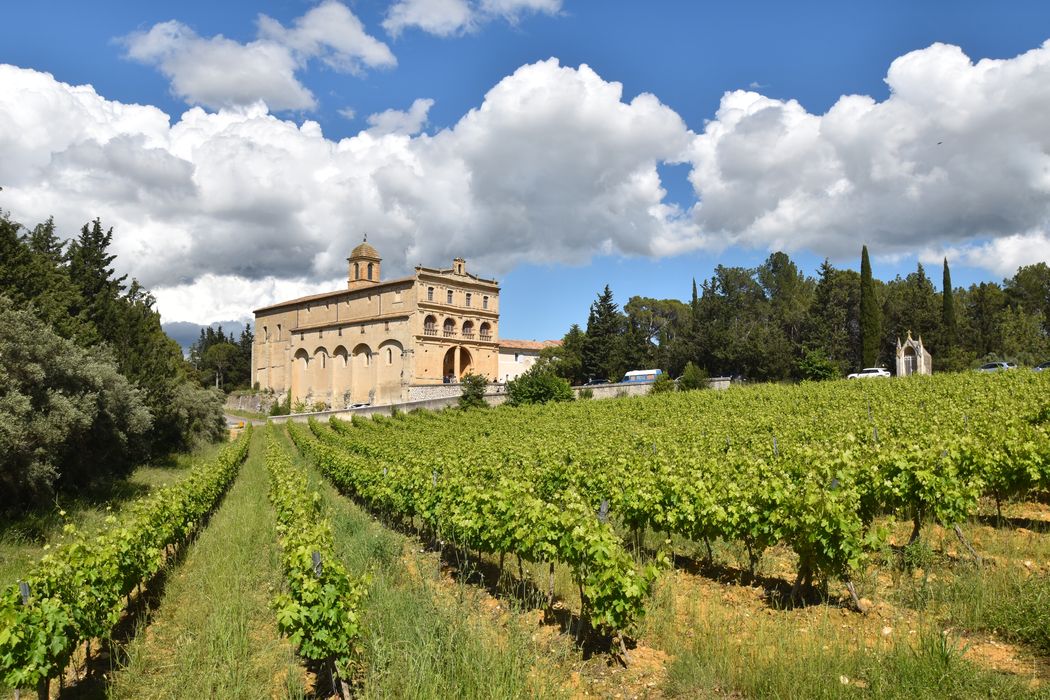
x,y
240,150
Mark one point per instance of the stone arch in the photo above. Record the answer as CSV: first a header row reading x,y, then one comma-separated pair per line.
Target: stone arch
x,y
320,377
457,362
911,363
340,375
430,325
389,371
300,374
362,374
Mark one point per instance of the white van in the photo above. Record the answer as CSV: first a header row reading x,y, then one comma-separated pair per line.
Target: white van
x,y
641,376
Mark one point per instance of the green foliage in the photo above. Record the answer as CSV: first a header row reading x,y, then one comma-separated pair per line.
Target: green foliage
x,y
221,360
538,384
196,415
567,359
870,314
692,378
282,407
67,417
605,324
949,324
320,611
663,384
473,395
78,591
815,366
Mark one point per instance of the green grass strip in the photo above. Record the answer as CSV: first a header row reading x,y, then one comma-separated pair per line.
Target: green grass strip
x,y
214,634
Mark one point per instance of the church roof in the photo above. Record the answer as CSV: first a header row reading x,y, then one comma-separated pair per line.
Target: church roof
x,y
365,250
371,289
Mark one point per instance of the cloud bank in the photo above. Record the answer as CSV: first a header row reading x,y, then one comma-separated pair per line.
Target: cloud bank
x,y
223,211
456,17
217,72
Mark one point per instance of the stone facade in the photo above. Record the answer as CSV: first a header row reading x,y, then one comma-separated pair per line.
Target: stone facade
x,y
374,340
517,356
913,358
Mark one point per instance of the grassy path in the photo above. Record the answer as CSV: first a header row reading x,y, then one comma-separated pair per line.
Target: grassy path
x,y
214,634
425,637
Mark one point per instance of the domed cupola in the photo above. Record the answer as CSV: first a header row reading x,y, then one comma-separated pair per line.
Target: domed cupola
x,y
364,262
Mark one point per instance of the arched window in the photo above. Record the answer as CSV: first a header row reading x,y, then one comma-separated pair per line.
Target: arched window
x,y
266,334
369,270
430,326
357,271
468,329
389,356
485,331
449,328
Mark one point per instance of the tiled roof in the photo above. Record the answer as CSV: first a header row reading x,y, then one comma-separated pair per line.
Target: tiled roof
x,y
528,344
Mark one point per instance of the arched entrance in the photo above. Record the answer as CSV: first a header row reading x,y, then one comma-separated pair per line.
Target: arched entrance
x,y
457,362
910,364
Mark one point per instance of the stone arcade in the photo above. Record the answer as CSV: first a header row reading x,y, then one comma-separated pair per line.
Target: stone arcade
x,y
374,340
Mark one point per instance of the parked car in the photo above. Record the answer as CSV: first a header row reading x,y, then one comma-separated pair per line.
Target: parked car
x,y
870,372
595,382
996,366
1041,367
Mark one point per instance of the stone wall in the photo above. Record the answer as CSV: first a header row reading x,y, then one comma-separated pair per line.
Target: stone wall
x,y
258,402
426,392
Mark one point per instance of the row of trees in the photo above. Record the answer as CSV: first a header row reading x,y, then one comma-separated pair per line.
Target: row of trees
x,y
773,322
89,382
222,361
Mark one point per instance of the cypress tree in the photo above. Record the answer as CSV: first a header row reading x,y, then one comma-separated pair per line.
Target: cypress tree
x,y
604,327
948,322
870,317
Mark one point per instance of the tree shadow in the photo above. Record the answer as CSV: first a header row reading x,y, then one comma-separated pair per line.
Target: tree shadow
x,y
1040,526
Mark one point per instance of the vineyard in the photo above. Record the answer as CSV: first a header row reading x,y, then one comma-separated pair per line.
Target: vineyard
x,y
868,538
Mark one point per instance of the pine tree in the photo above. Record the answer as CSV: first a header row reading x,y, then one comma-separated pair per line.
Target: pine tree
x,y
948,322
870,316
604,325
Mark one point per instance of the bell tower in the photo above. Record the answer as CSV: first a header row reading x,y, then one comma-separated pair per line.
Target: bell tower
x,y
363,266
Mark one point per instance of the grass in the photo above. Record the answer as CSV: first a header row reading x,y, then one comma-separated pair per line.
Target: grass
x,y
728,650
240,413
214,634
22,539
424,636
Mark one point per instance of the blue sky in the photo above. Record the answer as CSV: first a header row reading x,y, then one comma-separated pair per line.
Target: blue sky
x,y
948,157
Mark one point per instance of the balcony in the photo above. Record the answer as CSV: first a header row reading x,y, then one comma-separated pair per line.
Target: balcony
x,y
449,334
468,335
485,336
430,331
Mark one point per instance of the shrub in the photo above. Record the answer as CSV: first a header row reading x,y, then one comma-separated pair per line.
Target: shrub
x,y
663,384
538,385
67,416
816,366
473,395
692,378
282,407
587,393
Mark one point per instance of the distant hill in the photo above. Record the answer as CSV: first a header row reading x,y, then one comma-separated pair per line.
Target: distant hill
x,y
186,334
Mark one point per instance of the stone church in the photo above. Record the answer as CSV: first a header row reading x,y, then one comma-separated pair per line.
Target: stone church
x,y
377,339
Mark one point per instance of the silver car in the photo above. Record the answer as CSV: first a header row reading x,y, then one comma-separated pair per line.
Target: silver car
x,y
996,366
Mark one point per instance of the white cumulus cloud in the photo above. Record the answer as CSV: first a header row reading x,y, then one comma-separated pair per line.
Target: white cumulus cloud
x,y
959,151
217,72
454,17
236,209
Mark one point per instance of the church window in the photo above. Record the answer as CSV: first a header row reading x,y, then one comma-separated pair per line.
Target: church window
x,y
278,331
485,331
266,333
449,328
485,302
430,326
448,297
468,298
430,294
389,356
357,271
369,270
